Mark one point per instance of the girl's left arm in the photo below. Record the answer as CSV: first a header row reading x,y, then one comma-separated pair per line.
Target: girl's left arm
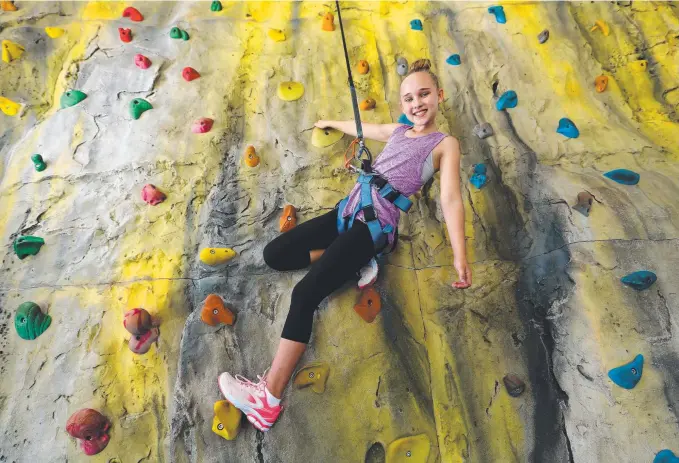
x,y
453,208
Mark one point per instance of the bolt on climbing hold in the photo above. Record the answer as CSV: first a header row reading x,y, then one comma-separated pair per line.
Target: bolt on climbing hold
x,y
290,91
138,321
413,448
416,25
190,74
277,35
141,343
639,65
202,125
666,456
226,420
363,67
602,26
600,83
402,66
177,33
30,322
640,280
484,130
514,385
216,6
216,256
25,246
54,32
142,61
403,119
288,219
321,138
328,23
11,51
139,106
499,13
91,428
38,162
454,60
133,14
8,6
623,176
369,304
314,375
367,104
9,107
543,36
125,34
72,98
250,156
567,128
479,176
509,99
584,204
215,312
152,195
627,376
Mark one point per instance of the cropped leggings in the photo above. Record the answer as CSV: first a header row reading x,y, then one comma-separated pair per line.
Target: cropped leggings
x,y
344,255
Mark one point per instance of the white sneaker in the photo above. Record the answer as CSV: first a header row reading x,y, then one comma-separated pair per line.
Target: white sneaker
x,y
368,274
250,398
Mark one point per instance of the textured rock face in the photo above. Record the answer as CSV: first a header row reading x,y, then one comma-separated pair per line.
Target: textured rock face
x,y
547,304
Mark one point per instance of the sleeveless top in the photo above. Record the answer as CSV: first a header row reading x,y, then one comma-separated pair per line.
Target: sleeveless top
x,y
401,163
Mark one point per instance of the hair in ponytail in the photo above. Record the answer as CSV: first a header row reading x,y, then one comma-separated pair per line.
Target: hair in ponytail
x,y
423,65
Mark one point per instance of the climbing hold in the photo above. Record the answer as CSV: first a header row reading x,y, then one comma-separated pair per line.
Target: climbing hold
x,y
30,322
216,6
138,321
624,176
402,66
643,279
8,6
125,34
454,60
601,83
38,162
543,36
599,24
666,456
321,138
27,245
479,177
142,61
499,13
403,119
314,374
276,35
250,156
11,51
54,32
363,67
514,385
367,104
9,107
375,454
627,376
416,25
151,195
328,23
369,304
226,421
288,219
215,312
290,91
138,106
141,343
509,99
216,256
177,33
202,125
584,205
190,74
133,14
412,449
91,428
567,128
72,98
639,65
483,130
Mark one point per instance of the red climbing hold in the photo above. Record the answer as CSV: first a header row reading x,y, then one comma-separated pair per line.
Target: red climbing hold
x,y
142,61
189,74
125,34
152,195
202,125
133,14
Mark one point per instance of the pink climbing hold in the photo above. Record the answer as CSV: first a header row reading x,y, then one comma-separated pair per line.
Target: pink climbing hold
x,y
202,125
189,74
133,14
142,61
125,34
150,194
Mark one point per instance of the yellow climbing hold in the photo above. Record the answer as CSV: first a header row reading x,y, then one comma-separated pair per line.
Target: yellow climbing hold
x,y
11,51
639,65
290,91
216,256
413,449
599,24
54,32
321,138
276,35
226,422
314,374
9,107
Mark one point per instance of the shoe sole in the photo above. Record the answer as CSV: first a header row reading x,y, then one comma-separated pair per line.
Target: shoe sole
x,y
250,413
368,283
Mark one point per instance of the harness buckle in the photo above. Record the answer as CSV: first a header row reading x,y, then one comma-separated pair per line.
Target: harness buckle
x,y
369,213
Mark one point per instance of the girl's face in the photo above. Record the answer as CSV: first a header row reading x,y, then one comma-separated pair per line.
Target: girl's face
x,y
420,98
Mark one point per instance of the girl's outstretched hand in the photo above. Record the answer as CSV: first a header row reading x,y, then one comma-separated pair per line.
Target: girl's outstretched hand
x,y
464,272
322,124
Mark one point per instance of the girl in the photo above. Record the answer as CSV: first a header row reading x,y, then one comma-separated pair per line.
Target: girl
x,y
409,159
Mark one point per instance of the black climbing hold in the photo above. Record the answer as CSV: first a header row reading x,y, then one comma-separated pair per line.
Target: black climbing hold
x,y
543,36
375,454
624,176
643,279
514,385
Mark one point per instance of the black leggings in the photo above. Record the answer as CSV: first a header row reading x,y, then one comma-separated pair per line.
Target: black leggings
x,y
344,255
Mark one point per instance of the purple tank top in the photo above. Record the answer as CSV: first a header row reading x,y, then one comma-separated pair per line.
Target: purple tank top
x,y
400,162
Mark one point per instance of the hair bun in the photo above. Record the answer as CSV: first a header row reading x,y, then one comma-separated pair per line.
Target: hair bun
x,y
420,65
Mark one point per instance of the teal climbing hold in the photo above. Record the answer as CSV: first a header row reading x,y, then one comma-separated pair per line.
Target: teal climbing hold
x,y
416,25
38,162
72,98
177,33
643,279
479,177
666,456
216,6
27,245
499,13
509,99
404,120
138,106
454,60
627,376
624,176
567,128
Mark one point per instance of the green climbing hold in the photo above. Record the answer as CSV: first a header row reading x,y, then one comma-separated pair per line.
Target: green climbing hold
x,y
30,322
27,245
38,162
177,33
139,106
72,98
216,6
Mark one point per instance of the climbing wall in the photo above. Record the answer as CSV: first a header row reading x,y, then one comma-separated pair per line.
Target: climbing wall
x,y
523,366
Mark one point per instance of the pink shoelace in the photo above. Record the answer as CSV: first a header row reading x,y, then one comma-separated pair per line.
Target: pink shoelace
x,y
246,382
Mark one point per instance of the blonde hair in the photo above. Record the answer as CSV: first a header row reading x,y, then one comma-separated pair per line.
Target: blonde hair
x,y
423,65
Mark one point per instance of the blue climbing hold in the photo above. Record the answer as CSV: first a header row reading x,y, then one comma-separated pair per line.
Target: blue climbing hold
x,y
499,13
624,176
643,279
454,60
628,375
416,25
479,177
666,456
567,128
507,100
404,120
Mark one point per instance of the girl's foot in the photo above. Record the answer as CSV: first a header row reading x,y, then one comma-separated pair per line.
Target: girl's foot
x,y
368,274
253,399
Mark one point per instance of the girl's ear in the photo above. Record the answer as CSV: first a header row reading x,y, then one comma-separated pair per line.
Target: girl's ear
x,y
440,95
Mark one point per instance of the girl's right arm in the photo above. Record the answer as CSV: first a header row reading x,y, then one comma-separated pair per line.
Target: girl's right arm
x,y
379,132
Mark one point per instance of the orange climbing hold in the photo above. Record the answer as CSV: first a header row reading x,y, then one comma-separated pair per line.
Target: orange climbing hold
x,y
601,83
251,158
367,104
215,312
369,304
328,22
363,67
288,219
599,24
133,14
8,6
